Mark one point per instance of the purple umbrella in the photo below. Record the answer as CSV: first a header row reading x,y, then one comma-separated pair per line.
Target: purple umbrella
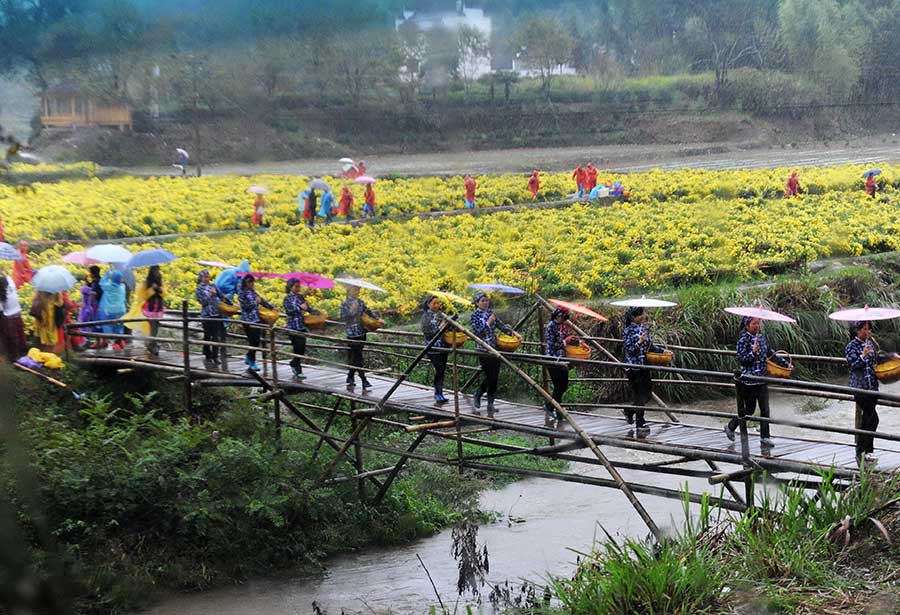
x,y
497,287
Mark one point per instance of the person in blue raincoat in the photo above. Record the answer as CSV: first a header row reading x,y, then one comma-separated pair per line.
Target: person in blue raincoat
x,y
112,305
227,281
326,208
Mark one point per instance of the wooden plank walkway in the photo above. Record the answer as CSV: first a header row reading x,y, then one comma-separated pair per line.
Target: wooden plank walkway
x,y
690,441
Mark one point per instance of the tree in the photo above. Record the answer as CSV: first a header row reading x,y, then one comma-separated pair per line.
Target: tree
x,y
473,49
544,45
721,35
358,66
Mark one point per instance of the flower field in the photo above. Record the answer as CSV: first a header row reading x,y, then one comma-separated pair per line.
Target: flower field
x,y
131,207
582,251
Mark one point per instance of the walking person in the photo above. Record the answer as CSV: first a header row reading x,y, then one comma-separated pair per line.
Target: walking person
x,y
484,322
259,212
147,302
555,338
637,342
112,306
470,184
209,296
534,184
250,302
752,351
590,178
871,185
369,207
346,204
433,324
295,307
326,206
862,356
352,310
792,186
12,329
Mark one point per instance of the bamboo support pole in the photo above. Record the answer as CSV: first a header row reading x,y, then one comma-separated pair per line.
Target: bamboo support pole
x,y
276,405
434,425
617,478
397,467
325,429
459,444
186,349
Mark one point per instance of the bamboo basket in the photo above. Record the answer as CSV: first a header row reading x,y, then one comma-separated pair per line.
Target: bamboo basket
x,y
226,309
777,371
660,358
888,371
315,321
578,351
370,324
507,343
268,316
455,339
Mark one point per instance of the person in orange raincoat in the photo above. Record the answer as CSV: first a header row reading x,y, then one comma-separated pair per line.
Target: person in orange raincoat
x,y
22,269
534,184
470,185
792,187
369,207
345,205
578,176
871,186
259,211
590,178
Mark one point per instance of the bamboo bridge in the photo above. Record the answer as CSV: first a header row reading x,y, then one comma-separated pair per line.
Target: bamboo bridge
x,y
576,437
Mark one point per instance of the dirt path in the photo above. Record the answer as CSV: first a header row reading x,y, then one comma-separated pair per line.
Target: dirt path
x,y
621,158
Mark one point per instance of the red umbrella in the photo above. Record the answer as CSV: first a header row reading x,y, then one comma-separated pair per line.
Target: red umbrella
x,y
579,309
865,313
759,312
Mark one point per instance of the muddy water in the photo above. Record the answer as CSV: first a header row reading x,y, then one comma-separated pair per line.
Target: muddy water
x,y
541,523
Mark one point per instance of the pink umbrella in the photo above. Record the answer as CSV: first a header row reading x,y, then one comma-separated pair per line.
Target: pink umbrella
x,y
865,313
759,312
310,280
79,258
258,190
364,179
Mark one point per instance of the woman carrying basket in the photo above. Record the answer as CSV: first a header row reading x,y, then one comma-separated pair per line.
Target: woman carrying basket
x,y
209,296
637,341
250,302
556,334
352,310
295,306
752,352
483,323
433,325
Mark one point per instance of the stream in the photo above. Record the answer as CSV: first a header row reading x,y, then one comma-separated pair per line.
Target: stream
x,y
541,525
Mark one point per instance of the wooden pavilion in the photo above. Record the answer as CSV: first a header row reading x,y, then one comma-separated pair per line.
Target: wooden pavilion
x,y
68,106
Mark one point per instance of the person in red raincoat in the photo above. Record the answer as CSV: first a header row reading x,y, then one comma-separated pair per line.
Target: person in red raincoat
x,y
534,184
22,269
578,176
2,238
871,186
369,207
470,185
259,211
345,205
590,178
792,187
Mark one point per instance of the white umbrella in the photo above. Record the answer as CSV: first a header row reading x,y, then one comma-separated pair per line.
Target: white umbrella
x,y
182,152
643,302
108,253
865,313
258,190
216,264
9,253
759,312
359,284
346,160
53,279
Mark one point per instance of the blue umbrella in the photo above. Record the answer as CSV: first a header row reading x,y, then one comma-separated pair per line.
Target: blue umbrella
x,y
497,287
53,279
872,171
9,253
108,253
147,258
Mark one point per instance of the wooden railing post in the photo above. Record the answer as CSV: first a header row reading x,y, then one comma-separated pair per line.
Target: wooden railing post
x,y
745,439
459,445
186,350
273,357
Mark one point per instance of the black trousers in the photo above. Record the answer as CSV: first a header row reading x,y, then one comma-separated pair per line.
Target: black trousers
x,y
254,336
355,356
868,421
560,378
753,396
439,361
213,331
153,346
298,343
641,390
490,370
